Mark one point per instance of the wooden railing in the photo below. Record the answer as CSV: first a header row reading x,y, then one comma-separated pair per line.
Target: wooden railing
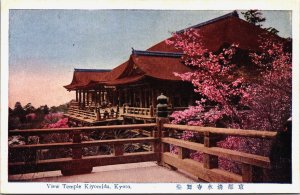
x,y
138,111
209,170
78,163
86,114
161,137
151,111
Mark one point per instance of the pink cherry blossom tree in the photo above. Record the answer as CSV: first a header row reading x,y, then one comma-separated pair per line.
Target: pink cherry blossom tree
x,y
230,96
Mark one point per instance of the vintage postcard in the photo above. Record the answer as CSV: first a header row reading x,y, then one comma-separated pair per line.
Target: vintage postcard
x,y
149,97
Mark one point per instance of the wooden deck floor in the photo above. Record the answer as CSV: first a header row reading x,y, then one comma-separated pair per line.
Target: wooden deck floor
x,y
146,172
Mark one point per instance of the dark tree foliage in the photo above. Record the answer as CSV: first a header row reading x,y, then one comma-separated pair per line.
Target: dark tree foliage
x,y
29,108
21,117
60,108
272,30
255,17
46,109
19,112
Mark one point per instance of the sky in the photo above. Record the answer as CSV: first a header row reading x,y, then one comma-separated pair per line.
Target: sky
x,y
46,45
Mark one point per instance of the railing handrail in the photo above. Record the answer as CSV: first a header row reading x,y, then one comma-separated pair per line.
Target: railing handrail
x,y
84,143
68,129
224,131
137,108
242,157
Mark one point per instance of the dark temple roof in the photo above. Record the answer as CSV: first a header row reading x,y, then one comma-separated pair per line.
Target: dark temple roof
x,y
83,78
233,14
162,60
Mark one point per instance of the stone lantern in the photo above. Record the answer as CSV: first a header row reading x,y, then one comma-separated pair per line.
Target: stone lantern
x,y
162,106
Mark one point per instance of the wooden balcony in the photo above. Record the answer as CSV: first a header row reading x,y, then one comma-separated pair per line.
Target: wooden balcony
x,y
160,139
89,115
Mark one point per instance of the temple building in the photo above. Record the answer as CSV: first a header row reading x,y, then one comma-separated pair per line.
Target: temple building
x,y
131,89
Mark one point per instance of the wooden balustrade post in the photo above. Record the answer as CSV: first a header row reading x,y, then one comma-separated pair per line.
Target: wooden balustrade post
x,y
210,161
98,115
162,118
247,173
76,166
77,151
183,153
29,154
262,175
118,149
118,111
151,110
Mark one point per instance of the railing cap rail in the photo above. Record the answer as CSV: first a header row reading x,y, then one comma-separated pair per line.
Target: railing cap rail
x,y
224,131
70,129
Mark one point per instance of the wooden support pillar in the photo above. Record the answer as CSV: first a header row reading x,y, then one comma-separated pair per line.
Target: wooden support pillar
x,y
100,97
80,99
153,97
134,98
87,98
83,98
96,97
140,97
76,95
146,99
112,96
105,96
126,96
119,97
